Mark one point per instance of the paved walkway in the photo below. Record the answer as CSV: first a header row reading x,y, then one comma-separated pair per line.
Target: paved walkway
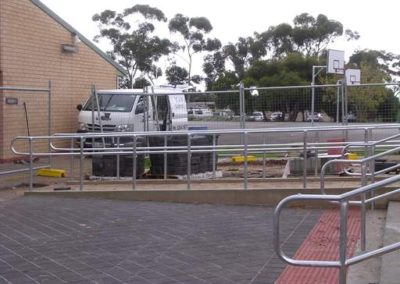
x,y
60,240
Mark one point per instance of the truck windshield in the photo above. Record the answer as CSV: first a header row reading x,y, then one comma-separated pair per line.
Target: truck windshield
x,y
112,102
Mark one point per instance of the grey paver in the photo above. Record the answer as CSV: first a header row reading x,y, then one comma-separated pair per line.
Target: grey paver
x,y
107,241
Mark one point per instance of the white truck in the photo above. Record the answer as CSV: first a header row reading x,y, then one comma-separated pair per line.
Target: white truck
x,y
133,110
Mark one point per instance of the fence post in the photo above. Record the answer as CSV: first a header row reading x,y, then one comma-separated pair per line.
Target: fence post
x,y
339,82
242,107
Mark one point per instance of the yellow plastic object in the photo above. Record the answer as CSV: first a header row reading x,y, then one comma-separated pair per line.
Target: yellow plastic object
x,y
51,173
352,156
240,159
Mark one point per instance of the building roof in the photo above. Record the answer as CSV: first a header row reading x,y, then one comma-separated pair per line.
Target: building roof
x,y
67,26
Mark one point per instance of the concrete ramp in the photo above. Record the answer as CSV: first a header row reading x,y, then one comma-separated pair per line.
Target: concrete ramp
x,y
390,270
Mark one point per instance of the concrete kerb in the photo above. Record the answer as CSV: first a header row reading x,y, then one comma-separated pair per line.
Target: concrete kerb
x,y
266,193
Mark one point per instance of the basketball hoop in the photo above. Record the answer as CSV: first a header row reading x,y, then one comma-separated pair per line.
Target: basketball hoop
x,y
335,62
339,71
353,76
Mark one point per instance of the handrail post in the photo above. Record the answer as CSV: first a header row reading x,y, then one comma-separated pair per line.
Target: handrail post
x,y
189,162
364,182
343,241
81,164
317,161
305,159
372,165
134,162
30,164
246,166
49,122
214,156
363,220
165,156
71,165
118,160
264,156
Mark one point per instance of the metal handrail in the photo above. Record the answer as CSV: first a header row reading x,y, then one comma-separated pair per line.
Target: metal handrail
x,y
364,175
359,161
343,199
239,148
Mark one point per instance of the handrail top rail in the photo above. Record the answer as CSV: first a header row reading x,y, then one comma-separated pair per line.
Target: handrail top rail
x,y
224,131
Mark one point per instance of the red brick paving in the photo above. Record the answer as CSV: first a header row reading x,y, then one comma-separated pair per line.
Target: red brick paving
x,y
323,244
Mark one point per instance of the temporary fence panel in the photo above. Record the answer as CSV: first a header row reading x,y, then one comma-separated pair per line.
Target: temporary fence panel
x,y
25,112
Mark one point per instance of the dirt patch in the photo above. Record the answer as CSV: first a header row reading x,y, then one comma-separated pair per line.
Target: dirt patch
x,y
256,169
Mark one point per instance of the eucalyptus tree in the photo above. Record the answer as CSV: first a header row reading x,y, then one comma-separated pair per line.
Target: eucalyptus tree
x,y
135,47
176,75
243,53
213,67
375,102
193,32
308,35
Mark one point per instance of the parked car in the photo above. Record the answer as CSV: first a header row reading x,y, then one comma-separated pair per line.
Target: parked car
x,y
316,117
351,117
276,116
257,116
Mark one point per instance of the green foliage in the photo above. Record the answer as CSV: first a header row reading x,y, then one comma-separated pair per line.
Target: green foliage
x,y
141,83
308,36
292,70
137,49
386,62
366,101
388,110
213,67
176,75
227,81
193,31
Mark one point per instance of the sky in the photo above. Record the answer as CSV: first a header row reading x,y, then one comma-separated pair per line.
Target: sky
x,y
376,21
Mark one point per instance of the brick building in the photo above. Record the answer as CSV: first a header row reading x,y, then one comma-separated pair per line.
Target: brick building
x,y
37,46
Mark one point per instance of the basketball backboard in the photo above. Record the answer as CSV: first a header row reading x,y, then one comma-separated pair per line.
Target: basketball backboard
x,y
335,62
353,76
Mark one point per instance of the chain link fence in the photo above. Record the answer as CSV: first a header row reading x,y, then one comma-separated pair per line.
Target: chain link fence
x,y
294,106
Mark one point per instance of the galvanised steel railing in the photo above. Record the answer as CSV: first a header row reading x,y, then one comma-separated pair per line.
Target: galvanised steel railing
x,y
243,146
367,166
344,200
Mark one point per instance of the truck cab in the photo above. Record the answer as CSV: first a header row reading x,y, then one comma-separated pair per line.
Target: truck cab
x,y
133,110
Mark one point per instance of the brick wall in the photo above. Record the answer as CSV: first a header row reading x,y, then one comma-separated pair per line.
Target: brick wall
x,y
30,56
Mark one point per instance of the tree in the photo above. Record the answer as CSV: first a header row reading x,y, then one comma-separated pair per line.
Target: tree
x,y
366,102
176,75
213,67
193,32
227,81
136,49
308,35
292,70
386,62
141,83
243,53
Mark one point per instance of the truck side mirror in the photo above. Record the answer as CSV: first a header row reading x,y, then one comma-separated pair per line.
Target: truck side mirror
x,y
79,107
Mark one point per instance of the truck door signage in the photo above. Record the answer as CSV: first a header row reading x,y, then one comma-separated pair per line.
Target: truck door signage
x,y
106,116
